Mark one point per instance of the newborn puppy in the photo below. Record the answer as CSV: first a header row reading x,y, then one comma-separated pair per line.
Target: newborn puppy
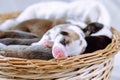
x,y
67,40
97,37
9,37
37,26
75,10
27,52
38,52
12,50
18,41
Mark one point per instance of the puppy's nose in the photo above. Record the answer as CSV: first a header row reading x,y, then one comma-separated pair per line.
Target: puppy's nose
x,y
63,42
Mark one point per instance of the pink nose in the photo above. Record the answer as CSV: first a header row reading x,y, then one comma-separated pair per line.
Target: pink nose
x,y
58,52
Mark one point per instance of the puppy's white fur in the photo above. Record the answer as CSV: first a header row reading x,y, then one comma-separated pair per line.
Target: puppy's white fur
x,y
76,11
89,10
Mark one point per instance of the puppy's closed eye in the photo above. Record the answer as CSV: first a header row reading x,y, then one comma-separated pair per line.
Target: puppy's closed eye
x,y
64,33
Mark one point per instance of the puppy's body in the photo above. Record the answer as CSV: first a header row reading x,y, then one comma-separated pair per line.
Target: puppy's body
x,y
38,26
9,37
27,52
16,34
18,41
30,29
38,52
76,11
96,43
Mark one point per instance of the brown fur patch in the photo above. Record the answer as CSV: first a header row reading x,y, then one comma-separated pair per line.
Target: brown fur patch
x,y
72,34
38,26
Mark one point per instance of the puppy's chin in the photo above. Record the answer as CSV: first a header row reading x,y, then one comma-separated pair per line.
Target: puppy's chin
x,y
59,51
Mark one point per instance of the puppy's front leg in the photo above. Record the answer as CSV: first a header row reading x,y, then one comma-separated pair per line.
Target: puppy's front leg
x,y
44,41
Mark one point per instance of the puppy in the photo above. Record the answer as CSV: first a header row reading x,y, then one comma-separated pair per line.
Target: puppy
x,y
19,34
16,34
27,52
67,40
38,52
18,41
38,26
9,37
97,36
76,11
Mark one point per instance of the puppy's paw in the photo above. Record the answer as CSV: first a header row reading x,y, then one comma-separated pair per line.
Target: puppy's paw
x,y
36,43
47,43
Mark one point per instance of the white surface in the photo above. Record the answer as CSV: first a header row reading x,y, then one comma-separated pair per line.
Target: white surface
x,y
112,5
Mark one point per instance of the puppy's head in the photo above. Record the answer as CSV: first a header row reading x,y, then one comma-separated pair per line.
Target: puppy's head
x,y
69,42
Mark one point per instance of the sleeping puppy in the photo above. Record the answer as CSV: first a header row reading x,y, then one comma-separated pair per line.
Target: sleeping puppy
x,y
65,40
76,11
16,34
18,41
9,37
98,37
38,52
38,26
27,52
26,32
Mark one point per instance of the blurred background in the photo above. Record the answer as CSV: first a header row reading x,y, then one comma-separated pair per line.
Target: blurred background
x,y
113,7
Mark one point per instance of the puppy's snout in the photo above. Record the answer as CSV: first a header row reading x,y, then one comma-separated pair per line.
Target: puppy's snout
x,y
63,42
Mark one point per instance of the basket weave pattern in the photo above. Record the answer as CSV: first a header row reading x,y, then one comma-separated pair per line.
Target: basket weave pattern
x,y
93,66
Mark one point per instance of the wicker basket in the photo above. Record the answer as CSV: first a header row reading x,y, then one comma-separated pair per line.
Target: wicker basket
x,y
93,66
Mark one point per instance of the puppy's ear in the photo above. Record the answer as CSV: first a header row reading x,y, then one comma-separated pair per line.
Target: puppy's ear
x,y
93,28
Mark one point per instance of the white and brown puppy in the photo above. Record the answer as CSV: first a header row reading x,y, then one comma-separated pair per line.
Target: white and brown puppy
x,y
27,52
67,40
28,31
76,11
38,26
98,36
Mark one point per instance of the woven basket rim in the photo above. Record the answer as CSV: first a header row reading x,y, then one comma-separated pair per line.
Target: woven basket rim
x,y
84,59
